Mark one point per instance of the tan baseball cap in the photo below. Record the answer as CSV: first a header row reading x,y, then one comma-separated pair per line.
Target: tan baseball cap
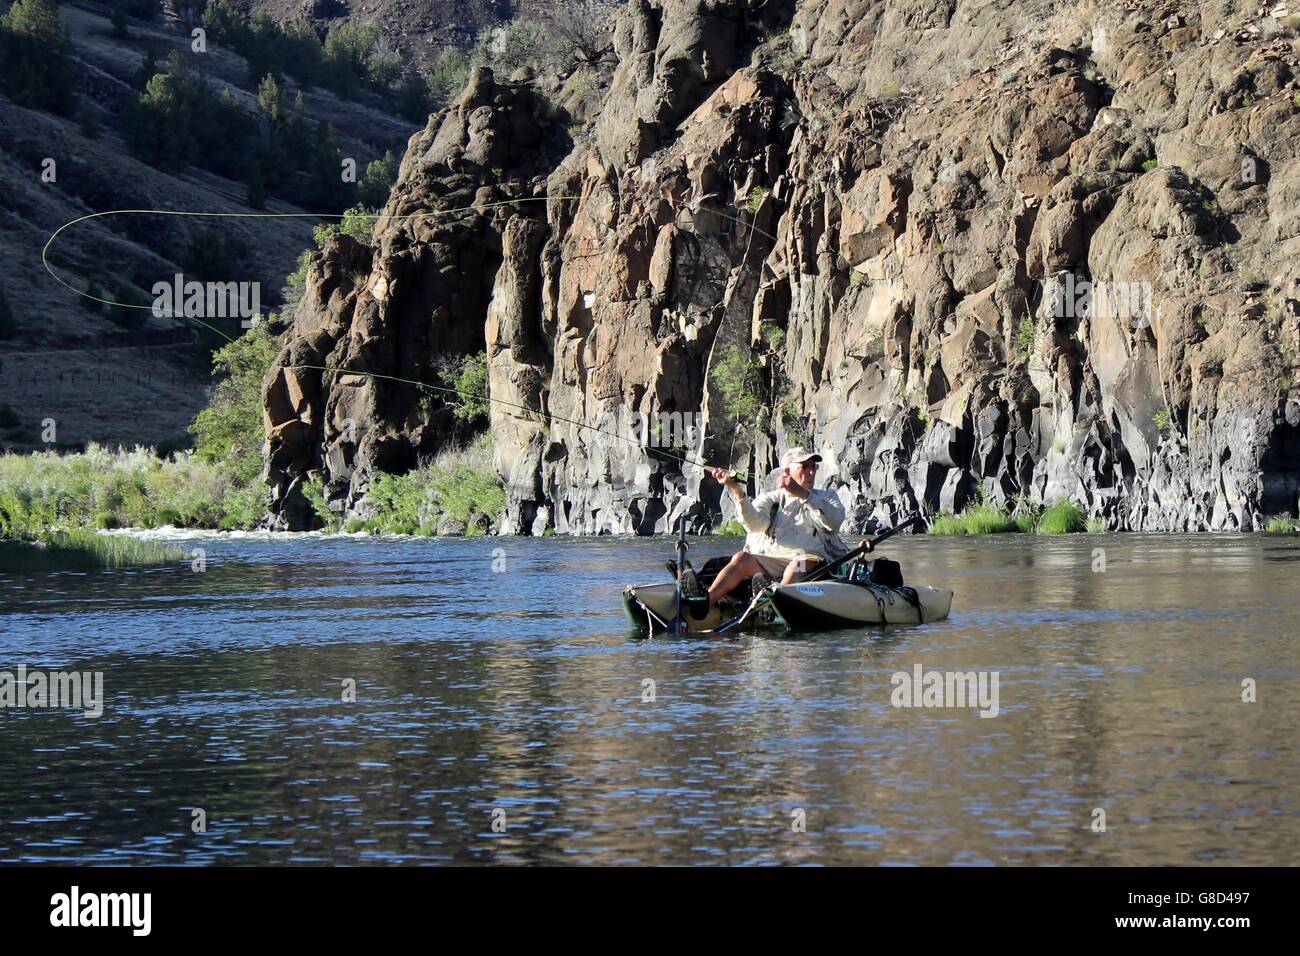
x,y
797,456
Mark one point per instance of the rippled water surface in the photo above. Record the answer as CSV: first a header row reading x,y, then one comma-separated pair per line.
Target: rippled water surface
x,y
522,692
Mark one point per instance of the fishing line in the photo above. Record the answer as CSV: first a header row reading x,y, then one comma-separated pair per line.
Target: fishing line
x,y
548,416
476,207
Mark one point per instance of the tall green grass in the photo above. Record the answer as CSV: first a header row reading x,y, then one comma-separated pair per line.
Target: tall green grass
x,y
982,517
1064,517
1282,524
84,551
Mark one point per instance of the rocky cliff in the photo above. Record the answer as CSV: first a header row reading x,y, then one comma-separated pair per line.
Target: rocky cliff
x,y
964,246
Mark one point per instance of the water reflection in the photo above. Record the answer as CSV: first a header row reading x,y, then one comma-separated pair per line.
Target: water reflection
x,y
521,692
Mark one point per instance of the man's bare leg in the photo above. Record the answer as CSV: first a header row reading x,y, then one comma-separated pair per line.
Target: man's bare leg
x,y
742,565
797,570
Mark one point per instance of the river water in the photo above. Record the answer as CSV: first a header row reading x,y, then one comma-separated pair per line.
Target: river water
x,y
503,713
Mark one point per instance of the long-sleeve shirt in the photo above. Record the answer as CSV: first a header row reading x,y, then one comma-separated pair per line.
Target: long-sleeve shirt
x,y
783,526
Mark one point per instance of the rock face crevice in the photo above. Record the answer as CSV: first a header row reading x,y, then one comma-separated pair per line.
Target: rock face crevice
x,y
962,249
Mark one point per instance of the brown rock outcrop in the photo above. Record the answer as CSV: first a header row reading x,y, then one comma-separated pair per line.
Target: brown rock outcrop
x,y
1034,253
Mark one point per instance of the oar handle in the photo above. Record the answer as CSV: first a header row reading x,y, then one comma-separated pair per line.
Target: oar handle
x,y
902,526
861,549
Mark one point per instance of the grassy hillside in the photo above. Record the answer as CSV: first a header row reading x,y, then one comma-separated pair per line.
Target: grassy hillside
x,y
128,377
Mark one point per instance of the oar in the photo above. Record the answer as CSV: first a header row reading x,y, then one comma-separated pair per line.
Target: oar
x,y
828,569
740,618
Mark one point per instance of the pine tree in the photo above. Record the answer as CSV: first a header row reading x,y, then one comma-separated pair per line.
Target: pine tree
x,y
378,181
270,102
35,67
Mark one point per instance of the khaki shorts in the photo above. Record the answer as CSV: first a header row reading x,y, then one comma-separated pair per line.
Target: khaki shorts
x,y
774,568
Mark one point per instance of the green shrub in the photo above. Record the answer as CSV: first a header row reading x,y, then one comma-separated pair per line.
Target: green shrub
x,y
179,121
458,484
1064,517
796,430
1161,419
104,489
731,529
355,55
1096,526
244,508
580,84
1026,339
507,48
467,375
401,500
1148,165
313,489
740,383
355,222
298,278
230,430
461,491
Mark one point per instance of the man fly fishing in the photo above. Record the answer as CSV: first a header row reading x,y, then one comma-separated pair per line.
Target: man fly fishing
x,y
791,530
